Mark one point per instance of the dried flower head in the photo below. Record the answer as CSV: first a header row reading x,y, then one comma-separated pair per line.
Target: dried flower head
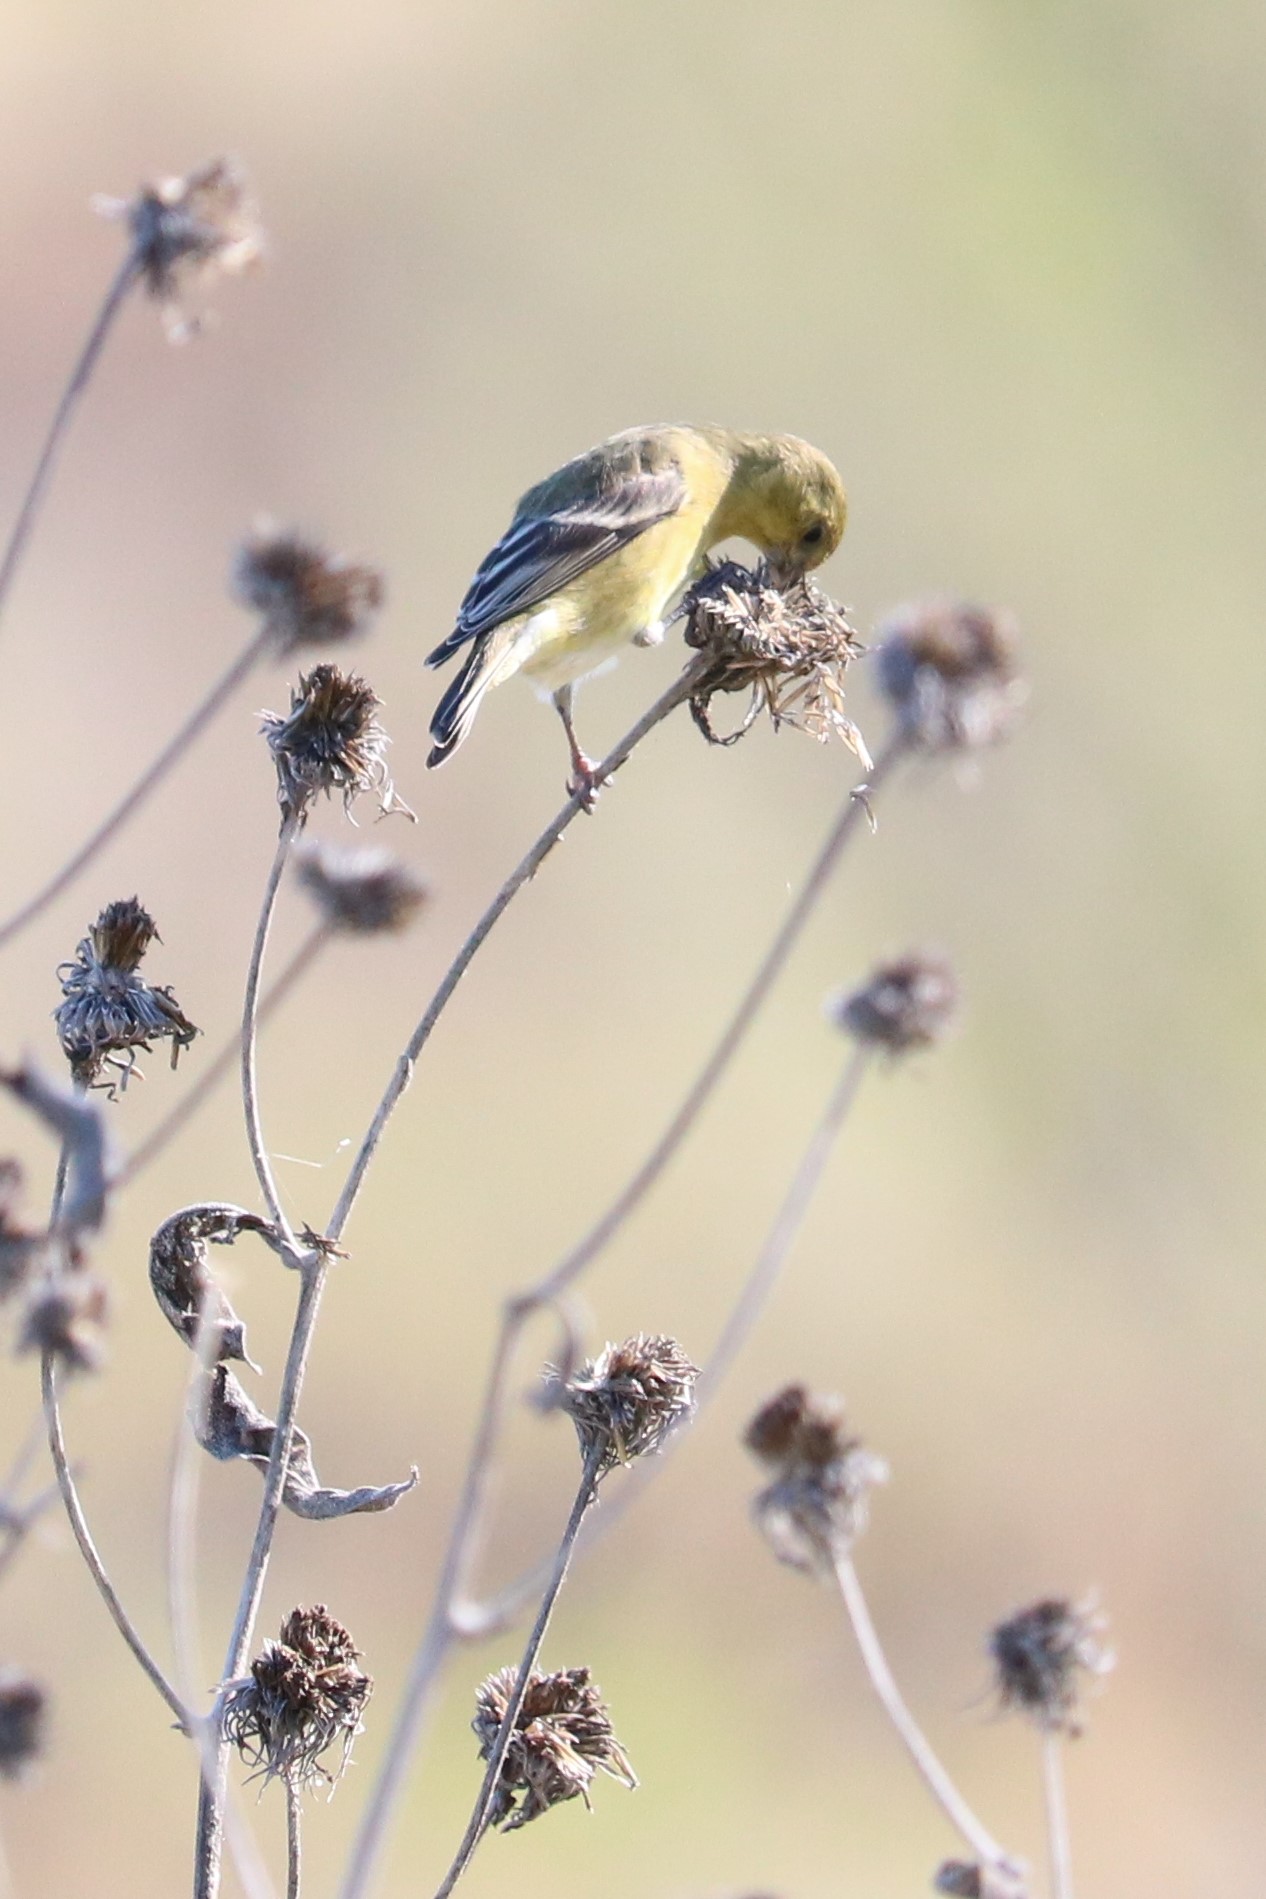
x,y
185,231
973,1881
22,1710
307,596
20,1246
65,1315
1041,1653
330,741
561,1738
905,1004
304,1695
108,1011
624,1402
363,891
789,647
818,1503
949,671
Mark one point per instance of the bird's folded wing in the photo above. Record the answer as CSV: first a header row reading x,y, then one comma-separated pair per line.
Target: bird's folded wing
x,y
541,553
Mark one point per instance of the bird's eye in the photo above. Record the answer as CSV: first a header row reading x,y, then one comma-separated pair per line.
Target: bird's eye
x,y
813,535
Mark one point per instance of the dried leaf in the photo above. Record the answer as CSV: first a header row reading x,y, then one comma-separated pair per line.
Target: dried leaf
x,y
185,1286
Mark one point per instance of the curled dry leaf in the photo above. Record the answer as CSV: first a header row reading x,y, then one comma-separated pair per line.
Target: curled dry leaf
x,y
184,1285
228,1424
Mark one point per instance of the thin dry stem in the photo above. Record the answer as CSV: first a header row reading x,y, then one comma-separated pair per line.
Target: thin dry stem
x,y
150,779
229,1057
913,1739
478,1823
294,1837
676,695
88,1549
1059,1839
80,376
250,1016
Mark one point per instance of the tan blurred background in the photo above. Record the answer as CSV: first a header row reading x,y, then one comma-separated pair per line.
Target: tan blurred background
x,y
1007,265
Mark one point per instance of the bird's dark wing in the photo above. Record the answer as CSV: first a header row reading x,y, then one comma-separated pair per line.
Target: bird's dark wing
x,y
539,553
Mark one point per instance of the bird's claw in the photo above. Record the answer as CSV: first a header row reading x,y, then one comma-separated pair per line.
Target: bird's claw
x,y
583,784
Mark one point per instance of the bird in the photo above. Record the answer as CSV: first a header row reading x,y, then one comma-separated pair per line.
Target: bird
x,y
599,552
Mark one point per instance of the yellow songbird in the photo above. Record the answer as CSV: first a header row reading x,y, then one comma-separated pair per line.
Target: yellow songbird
x,y
599,552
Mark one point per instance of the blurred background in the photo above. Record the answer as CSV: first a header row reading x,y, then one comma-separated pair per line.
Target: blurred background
x,y
1007,266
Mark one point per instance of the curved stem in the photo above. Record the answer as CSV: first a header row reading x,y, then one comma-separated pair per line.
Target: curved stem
x,y
88,1549
250,1016
913,1739
80,376
150,778
478,1823
1057,1833
676,695
161,1136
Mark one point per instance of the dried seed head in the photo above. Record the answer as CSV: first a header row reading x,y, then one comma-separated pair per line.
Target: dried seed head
x,y
907,1003
624,1402
949,671
561,1738
108,1011
20,1246
1040,1655
364,891
65,1315
307,596
789,647
330,741
818,1503
980,1882
186,231
303,1695
22,1710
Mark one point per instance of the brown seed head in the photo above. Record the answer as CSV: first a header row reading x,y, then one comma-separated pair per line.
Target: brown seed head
x,y
22,1712
307,596
65,1315
907,1003
789,647
303,1695
561,1738
949,671
626,1400
362,891
108,1011
1040,1655
330,741
186,231
818,1503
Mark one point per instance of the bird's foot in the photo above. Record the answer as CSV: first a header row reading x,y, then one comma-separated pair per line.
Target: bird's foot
x,y
583,783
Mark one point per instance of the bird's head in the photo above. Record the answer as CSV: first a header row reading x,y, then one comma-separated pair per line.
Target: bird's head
x,y
788,500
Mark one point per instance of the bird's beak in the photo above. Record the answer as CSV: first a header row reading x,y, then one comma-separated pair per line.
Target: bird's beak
x,y
785,568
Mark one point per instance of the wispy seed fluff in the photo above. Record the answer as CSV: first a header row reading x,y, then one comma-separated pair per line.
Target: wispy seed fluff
x,y
624,1402
949,670
304,1694
305,595
904,1004
1041,1655
361,891
561,1739
108,1011
187,231
818,1502
330,741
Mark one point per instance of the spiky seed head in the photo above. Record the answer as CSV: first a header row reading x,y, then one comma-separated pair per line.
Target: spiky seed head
x,y
906,1003
304,1694
818,1502
1042,1655
949,671
625,1401
363,892
562,1737
306,595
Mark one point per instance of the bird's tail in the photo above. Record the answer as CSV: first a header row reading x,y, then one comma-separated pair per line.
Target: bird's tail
x,y
490,660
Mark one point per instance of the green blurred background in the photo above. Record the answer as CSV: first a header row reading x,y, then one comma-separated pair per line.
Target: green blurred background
x,y
1005,263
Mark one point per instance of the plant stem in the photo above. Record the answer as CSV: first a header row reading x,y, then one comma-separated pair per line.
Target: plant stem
x,y
88,1549
294,1845
676,694
150,778
1058,1838
80,376
250,1012
915,1742
161,1136
479,1818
